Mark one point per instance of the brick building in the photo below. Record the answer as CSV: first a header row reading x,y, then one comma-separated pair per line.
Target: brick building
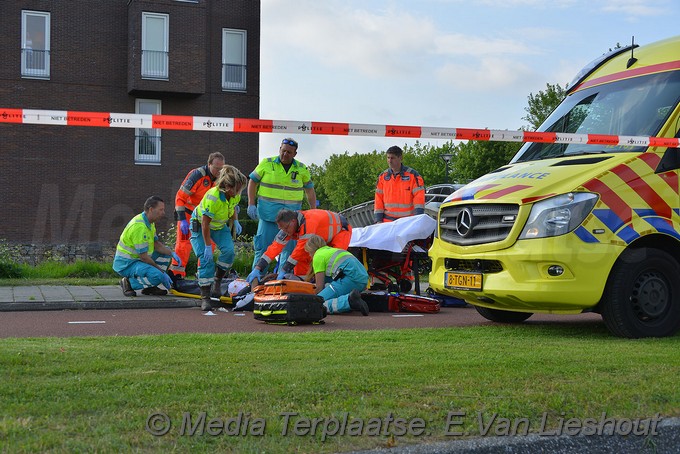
x,y
80,185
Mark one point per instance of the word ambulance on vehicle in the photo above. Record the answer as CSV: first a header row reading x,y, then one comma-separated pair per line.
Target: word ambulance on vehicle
x,y
579,227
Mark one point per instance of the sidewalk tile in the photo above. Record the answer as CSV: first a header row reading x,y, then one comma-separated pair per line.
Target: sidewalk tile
x,y
55,293
28,294
83,293
6,294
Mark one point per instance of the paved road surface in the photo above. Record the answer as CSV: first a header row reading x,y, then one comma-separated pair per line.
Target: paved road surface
x,y
126,322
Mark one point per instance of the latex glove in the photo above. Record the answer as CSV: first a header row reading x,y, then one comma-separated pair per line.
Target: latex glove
x,y
255,274
184,227
252,212
281,274
208,253
237,227
177,259
379,217
166,281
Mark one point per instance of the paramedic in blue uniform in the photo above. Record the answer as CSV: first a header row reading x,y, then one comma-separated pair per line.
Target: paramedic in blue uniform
x,y
210,224
141,259
345,275
277,183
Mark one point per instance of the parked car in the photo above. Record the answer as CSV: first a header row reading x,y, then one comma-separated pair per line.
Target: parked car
x,y
438,192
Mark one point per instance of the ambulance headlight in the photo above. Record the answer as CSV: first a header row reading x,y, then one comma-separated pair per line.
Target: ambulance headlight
x,y
558,215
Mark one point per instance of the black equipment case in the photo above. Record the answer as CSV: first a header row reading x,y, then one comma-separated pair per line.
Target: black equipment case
x,y
273,305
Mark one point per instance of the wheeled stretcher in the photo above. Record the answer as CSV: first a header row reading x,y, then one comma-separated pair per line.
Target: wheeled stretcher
x,y
392,251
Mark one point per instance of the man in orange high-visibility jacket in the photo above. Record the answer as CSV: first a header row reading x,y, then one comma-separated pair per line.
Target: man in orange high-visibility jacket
x,y
197,182
400,191
300,225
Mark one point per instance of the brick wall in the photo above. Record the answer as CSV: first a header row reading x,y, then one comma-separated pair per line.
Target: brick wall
x,y
80,185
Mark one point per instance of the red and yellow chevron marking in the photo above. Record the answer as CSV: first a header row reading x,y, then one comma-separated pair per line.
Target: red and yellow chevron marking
x,y
488,192
503,192
633,188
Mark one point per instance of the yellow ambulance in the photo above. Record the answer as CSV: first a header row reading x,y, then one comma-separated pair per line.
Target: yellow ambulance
x,y
570,226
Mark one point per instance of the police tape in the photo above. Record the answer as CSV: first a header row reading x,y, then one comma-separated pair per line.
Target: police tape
x,y
224,124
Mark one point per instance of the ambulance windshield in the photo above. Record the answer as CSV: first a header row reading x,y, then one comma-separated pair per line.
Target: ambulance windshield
x,y
631,107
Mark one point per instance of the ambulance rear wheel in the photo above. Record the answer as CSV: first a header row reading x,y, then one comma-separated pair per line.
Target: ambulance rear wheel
x,y
642,297
497,315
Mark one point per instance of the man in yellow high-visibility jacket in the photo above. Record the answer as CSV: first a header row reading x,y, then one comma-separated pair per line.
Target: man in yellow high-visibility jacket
x,y
276,184
140,257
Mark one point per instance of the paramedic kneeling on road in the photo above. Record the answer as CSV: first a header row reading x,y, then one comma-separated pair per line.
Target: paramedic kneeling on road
x,y
209,223
345,274
400,191
276,184
300,225
140,258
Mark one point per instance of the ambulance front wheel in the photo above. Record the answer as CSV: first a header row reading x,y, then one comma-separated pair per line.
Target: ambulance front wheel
x,y
642,297
497,315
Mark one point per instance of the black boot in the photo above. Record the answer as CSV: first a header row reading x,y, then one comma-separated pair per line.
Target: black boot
x,y
205,298
216,289
356,303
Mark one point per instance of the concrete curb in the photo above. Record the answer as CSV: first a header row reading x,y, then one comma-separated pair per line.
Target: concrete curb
x,y
132,303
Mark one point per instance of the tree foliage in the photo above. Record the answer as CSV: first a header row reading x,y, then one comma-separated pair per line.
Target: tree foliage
x,y
542,104
474,159
346,180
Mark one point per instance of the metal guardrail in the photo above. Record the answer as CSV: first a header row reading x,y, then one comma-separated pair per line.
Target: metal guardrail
x,y
360,215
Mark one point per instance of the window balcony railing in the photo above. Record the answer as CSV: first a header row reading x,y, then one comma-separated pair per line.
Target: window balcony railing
x,y
35,63
155,64
147,146
233,77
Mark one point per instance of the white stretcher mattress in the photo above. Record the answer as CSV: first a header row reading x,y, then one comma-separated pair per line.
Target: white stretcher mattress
x,y
393,236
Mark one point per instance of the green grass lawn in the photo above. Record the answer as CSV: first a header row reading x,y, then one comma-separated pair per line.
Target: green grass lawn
x,y
99,394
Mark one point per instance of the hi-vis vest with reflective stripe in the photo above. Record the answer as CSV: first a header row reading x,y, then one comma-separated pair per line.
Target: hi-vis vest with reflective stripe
x,y
399,195
138,236
278,186
217,207
329,259
197,182
324,223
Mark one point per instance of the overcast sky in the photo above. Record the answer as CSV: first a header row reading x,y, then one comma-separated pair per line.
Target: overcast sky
x,y
441,63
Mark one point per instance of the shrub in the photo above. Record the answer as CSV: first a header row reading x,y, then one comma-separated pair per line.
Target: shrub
x,y
9,269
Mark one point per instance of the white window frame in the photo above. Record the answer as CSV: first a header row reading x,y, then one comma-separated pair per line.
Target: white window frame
x,y
142,155
28,54
234,66
155,61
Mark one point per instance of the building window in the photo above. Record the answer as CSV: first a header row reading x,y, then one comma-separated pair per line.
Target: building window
x,y
148,141
155,45
233,59
35,44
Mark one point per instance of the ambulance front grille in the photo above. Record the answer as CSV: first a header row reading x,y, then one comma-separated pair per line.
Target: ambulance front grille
x,y
466,225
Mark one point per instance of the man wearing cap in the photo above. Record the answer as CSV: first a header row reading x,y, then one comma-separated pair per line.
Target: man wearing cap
x,y
277,183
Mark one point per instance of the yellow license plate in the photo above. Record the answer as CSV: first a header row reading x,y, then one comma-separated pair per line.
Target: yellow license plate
x,y
464,281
